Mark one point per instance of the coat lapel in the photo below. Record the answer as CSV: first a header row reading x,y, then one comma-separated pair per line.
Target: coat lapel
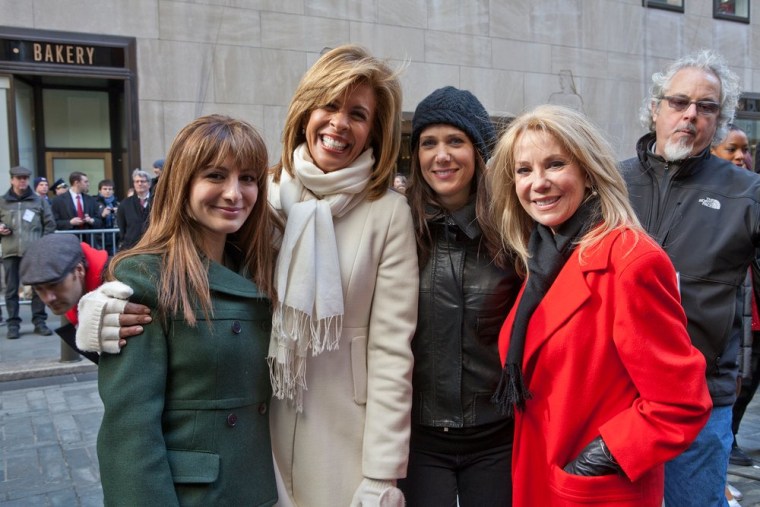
x,y
567,294
221,279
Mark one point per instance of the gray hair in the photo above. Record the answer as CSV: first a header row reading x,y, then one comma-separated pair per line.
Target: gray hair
x,y
709,61
139,173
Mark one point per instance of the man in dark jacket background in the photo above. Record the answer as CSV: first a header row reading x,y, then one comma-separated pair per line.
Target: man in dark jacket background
x,y
24,217
134,211
76,209
705,213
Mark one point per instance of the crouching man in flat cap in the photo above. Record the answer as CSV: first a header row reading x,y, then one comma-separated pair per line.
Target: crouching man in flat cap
x,y
61,270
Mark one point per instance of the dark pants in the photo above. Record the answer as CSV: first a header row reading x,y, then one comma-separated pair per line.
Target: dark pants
x,y
748,389
39,316
479,479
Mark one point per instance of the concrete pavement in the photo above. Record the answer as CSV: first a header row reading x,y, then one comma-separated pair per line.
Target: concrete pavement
x,y
34,356
48,427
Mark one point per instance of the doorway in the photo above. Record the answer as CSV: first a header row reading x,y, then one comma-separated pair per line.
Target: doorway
x,y
70,105
69,124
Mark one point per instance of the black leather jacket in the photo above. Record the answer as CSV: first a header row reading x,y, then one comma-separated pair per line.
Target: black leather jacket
x,y
705,213
464,299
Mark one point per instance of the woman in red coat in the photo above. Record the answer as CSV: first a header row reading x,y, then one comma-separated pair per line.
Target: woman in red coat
x,y
599,370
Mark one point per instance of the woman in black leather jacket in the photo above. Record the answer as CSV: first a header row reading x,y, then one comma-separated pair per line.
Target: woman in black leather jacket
x,y
461,447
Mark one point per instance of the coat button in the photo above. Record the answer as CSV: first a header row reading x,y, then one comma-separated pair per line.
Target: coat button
x,y
232,420
236,327
262,408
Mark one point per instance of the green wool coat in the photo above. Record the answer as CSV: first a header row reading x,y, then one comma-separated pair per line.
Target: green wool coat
x,y
186,408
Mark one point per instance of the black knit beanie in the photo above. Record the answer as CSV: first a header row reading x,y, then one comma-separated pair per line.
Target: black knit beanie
x,y
460,109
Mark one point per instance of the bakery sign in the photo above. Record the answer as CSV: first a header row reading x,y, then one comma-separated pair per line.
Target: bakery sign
x,y
60,53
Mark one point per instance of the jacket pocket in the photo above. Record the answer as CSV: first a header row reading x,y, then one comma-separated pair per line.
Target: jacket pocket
x,y
604,489
193,467
359,368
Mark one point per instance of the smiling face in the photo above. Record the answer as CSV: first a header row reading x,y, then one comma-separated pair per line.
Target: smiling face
x,y
734,148
447,163
549,183
337,133
221,198
686,133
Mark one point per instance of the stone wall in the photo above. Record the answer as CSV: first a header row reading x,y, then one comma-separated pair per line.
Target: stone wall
x,y
245,57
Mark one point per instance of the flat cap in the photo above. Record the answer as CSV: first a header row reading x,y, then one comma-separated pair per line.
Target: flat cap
x,y
20,170
50,259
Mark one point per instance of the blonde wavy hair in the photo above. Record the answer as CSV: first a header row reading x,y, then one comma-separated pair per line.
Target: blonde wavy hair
x,y
582,141
334,75
175,235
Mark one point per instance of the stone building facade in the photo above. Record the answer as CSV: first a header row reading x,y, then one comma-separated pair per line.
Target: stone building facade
x,y
182,59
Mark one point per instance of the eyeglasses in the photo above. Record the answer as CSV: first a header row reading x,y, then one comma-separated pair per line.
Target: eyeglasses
x,y
704,107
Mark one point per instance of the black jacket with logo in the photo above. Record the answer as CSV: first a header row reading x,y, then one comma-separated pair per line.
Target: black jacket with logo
x,y
705,213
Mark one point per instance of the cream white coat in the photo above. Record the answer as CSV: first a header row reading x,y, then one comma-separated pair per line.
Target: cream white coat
x,y
356,411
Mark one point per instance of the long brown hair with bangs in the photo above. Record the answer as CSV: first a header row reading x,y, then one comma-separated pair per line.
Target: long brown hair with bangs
x,y
334,75
174,235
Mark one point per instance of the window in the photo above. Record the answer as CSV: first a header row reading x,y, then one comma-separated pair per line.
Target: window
x,y
734,10
671,5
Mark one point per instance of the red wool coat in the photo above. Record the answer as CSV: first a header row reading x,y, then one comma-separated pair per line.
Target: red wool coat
x,y
607,353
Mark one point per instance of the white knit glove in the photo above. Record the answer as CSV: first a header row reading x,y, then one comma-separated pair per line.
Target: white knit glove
x,y
375,493
99,310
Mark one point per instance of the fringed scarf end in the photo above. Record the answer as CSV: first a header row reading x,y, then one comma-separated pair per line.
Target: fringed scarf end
x,y
287,375
325,334
511,392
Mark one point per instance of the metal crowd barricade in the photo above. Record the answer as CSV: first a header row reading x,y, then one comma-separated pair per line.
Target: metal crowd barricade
x,y
102,239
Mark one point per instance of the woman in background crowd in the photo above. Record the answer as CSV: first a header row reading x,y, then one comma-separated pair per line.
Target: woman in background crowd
x,y
735,149
460,446
599,370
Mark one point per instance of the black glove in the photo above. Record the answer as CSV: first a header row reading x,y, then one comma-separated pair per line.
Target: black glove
x,y
595,459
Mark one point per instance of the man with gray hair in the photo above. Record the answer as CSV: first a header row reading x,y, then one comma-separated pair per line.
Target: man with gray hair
x,y
705,213
132,215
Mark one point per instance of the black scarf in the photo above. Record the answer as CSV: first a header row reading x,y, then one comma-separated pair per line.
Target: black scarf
x,y
549,253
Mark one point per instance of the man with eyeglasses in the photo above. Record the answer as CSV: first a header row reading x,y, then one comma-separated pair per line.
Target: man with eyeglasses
x,y
134,212
705,213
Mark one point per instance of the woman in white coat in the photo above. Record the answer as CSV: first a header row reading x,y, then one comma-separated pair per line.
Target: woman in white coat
x,y
347,278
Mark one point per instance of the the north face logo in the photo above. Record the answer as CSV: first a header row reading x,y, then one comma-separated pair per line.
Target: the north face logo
x,y
710,203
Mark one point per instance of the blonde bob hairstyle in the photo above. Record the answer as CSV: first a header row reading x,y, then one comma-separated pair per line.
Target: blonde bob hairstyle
x,y
587,147
334,75
175,235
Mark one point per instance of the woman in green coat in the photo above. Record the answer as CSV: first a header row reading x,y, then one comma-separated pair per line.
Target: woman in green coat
x,y
186,406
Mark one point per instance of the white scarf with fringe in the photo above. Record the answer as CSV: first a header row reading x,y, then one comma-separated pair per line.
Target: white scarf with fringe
x,y
309,310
